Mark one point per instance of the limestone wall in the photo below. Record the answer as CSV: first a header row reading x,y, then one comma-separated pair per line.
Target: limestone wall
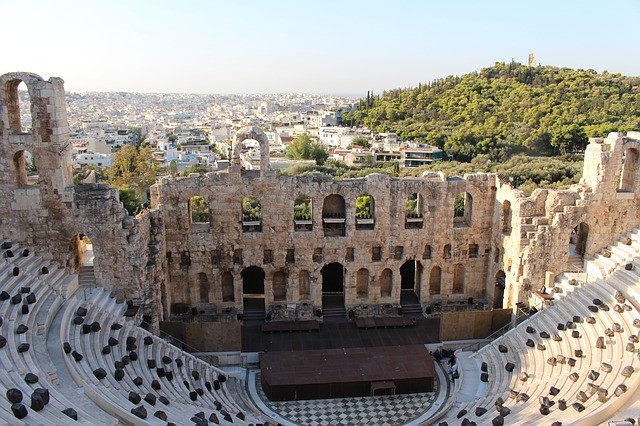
x,y
49,213
503,244
196,248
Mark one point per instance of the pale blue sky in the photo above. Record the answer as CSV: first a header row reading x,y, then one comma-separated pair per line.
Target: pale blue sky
x,y
337,46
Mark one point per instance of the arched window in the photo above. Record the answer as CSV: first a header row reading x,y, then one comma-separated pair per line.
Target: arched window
x,y
199,209
304,284
426,254
251,214
257,135
18,103
435,278
458,279
413,212
462,209
506,217
203,286
303,213
333,215
630,170
386,283
364,212
228,293
25,169
446,253
362,283
279,286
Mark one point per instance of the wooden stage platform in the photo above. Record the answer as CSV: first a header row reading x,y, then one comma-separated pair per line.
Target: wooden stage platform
x,y
346,372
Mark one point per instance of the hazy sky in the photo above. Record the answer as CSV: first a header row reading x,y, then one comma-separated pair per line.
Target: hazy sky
x,y
322,46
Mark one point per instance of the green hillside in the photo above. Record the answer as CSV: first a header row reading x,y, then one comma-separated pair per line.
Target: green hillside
x,y
507,108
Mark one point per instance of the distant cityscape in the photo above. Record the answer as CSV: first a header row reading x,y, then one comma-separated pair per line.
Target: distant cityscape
x,y
191,129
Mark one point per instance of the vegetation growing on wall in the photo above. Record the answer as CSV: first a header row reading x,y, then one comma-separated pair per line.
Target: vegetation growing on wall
x,y
302,208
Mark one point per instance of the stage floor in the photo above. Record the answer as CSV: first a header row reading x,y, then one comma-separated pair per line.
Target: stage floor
x,y
340,335
347,372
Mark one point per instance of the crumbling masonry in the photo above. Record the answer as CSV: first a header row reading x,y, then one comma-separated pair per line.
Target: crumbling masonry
x,y
503,247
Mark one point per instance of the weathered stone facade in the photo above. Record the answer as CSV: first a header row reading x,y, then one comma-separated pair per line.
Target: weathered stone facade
x,y
165,261
50,213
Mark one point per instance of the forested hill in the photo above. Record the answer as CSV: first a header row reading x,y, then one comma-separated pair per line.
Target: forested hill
x,y
507,108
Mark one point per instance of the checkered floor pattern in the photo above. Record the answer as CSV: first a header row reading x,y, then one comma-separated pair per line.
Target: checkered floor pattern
x,y
378,410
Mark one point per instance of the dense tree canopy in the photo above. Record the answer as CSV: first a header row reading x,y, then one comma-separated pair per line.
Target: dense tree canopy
x,y
133,172
303,148
507,108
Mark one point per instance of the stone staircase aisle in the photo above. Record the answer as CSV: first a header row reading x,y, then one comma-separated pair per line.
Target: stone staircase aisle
x,y
86,276
64,380
410,304
333,308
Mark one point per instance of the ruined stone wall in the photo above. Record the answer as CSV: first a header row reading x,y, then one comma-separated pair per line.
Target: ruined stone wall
x,y
523,238
543,223
197,248
48,215
161,259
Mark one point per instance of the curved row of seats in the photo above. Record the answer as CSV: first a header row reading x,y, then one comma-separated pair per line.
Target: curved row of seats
x,y
30,289
126,373
135,375
575,362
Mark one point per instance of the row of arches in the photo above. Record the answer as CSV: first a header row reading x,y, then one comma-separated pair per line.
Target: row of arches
x,y
334,211
253,279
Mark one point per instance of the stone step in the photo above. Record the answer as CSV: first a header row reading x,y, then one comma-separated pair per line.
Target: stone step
x,y
334,313
412,308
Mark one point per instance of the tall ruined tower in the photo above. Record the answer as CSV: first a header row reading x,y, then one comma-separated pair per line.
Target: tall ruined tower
x,y
48,143
50,214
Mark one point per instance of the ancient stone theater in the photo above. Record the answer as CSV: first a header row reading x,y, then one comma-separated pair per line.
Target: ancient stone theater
x,y
507,271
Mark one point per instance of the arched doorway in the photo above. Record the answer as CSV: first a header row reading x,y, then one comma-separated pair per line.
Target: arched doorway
x,y
386,283
228,292
435,280
458,279
203,288
279,286
362,283
410,273
81,260
304,284
410,279
333,290
498,295
253,293
578,245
